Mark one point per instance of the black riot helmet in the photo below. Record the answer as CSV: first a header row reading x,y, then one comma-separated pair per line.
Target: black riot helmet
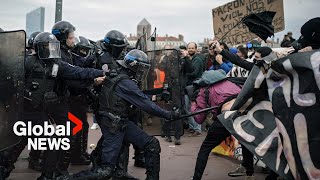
x,y
82,47
47,46
136,61
31,39
61,30
115,42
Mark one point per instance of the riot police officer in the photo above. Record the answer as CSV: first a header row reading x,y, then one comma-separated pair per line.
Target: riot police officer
x,y
45,93
83,48
64,31
117,98
34,156
111,48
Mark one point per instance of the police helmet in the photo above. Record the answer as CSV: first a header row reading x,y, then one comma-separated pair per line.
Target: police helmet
x,y
82,46
137,61
115,42
62,29
47,46
31,39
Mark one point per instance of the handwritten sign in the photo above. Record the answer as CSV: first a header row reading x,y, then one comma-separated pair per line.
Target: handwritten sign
x,y
227,16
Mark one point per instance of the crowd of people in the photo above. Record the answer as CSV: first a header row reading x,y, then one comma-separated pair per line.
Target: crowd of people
x,y
108,74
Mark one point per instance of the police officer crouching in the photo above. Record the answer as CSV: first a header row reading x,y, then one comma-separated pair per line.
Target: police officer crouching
x,y
120,95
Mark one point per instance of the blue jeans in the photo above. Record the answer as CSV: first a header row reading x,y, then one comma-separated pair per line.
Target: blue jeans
x,y
192,123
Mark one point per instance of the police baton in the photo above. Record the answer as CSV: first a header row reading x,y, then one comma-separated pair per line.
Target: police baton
x,y
194,113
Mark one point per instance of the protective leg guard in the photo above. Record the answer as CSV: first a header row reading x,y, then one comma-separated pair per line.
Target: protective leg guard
x,y
95,155
139,159
152,153
121,172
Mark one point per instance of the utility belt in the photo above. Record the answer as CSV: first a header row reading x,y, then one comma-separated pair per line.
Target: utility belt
x,y
44,101
115,123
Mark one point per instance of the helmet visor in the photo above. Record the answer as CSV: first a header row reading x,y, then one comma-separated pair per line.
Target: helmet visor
x,y
142,71
117,51
49,50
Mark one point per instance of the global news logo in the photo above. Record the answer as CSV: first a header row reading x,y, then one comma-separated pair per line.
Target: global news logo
x,y
48,136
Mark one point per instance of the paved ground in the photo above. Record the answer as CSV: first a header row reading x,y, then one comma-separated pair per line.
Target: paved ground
x,y
177,162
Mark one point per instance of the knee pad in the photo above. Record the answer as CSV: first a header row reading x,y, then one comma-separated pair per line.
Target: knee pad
x,y
153,146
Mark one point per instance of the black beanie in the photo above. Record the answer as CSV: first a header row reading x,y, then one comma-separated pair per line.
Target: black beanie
x,y
264,51
311,30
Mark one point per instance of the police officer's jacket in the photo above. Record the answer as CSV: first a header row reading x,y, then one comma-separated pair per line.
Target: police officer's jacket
x,y
119,93
75,87
43,76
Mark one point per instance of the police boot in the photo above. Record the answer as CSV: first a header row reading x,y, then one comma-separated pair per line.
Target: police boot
x,y
84,141
100,173
3,172
9,157
126,176
152,153
82,160
35,161
77,157
95,155
85,157
139,160
49,165
63,162
121,172
35,164
43,177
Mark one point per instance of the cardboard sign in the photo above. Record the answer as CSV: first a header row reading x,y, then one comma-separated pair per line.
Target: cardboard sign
x,y
227,16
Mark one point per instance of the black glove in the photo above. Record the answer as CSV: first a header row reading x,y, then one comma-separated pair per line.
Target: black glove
x,y
112,73
165,95
175,114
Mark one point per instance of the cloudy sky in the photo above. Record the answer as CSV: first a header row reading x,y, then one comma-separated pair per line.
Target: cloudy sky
x,y
94,18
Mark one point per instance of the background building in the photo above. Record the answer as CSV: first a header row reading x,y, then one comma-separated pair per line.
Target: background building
x,y
161,41
35,21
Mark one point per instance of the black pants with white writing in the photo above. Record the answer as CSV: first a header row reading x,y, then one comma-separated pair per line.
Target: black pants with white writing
x,y
216,134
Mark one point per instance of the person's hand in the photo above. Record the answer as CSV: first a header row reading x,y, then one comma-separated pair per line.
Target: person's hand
x,y
216,46
283,52
306,49
219,59
184,53
99,80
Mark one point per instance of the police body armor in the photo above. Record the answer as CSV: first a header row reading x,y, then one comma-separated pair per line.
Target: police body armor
x,y
43,88
111,105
